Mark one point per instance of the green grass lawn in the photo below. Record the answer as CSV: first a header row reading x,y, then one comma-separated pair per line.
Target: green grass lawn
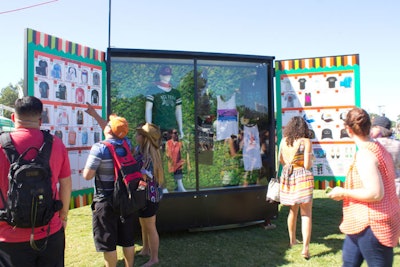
x,y
247,246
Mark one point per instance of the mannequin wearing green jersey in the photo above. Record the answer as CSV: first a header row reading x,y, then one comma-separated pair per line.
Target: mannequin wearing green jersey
x,y
164,103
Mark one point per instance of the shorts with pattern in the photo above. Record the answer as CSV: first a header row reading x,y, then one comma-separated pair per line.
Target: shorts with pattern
x,y
297,187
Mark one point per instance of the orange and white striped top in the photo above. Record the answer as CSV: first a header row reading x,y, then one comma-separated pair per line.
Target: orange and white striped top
x,y
382,216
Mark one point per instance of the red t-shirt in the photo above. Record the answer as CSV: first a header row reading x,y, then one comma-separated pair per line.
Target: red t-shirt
x,y
60,168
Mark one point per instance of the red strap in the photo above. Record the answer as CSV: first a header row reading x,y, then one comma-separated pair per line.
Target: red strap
x,y
117,163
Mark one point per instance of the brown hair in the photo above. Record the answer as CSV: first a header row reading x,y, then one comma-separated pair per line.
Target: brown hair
x,y
295,129
359,121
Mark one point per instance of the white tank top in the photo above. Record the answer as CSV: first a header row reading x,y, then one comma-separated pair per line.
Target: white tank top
x,y
227,118
251,148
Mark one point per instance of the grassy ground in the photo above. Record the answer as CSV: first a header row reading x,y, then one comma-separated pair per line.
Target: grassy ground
x,y
247,246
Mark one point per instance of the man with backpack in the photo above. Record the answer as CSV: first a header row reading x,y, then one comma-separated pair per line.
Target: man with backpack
x,y
110,227
32,222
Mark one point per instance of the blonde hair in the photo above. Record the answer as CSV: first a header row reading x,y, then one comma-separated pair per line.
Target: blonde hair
x,y
152,154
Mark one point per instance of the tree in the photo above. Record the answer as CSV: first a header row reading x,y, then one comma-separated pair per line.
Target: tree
x,y
8,96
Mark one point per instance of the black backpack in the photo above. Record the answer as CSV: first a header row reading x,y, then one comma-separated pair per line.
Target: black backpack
x,y
129,193
30,199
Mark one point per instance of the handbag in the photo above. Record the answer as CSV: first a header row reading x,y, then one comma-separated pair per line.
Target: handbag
x,y
274,185
274,188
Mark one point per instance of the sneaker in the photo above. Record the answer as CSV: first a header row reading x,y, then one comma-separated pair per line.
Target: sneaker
x,y
269,226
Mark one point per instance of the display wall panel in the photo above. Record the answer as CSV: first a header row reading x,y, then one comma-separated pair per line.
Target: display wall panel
x,y
321,90
65,76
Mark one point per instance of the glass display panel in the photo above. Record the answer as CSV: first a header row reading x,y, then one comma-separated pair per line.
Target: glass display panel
x,y
232,115
213,115
159,91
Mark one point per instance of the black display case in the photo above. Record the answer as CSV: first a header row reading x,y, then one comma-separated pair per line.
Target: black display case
x,y
222,107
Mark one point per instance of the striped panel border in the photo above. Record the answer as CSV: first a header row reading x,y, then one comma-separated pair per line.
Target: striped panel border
x,y
52,42
317,62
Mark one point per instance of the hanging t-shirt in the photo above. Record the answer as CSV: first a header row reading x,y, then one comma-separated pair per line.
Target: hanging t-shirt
x,y
251,148
95,97
85,137
227,118
44,89
45,116
79,117
346,83
62,117
96,78
62,91
302,82
290,99
71,137
41,69
331,81
80,95
56,71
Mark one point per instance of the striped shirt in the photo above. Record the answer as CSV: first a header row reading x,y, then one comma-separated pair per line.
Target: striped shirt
x,y
100,159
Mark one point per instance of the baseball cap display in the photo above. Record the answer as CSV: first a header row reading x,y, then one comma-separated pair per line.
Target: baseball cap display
x,y
327,117
165,70
343,133
326,133
118,125
311,134
343,115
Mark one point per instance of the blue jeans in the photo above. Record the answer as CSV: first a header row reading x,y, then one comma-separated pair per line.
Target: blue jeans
x,y
366,246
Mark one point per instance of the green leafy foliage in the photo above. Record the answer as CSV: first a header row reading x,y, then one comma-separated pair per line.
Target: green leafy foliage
x,y
8,96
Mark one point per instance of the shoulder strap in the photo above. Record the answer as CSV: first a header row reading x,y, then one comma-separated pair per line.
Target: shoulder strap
x,y
8,147
117,164
111,147
45,149
11,152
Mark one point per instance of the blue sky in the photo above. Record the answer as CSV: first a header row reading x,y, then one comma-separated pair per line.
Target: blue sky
x,y
284,29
